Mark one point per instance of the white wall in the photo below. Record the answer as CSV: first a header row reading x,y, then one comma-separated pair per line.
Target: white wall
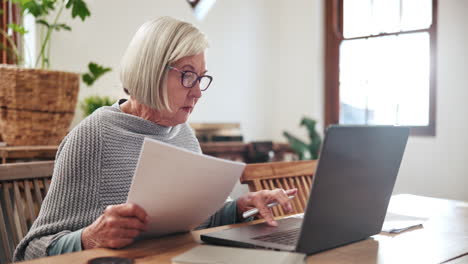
x,y
267,60
242,36
300,91
243,39
438,166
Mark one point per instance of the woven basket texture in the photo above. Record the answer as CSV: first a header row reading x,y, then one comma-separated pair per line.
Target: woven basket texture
x,y
36,106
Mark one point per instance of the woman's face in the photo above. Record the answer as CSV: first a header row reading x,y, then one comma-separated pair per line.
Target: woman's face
x,y
182,100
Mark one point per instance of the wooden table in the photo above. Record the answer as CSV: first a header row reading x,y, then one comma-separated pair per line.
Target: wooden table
x,y
444,237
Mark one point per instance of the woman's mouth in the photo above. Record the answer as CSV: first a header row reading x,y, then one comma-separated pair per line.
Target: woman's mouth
x,y
187,109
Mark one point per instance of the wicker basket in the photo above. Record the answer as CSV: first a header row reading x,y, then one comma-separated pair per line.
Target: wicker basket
x,y
36,106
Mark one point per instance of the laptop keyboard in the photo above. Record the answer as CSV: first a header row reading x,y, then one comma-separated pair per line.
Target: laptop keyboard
x,y
288,237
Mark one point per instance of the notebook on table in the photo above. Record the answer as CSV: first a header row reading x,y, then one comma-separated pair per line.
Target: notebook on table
x,y
227,255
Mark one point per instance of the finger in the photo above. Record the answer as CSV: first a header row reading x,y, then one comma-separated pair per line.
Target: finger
x,y
131,209
268,216
132,223
118,222
119,235
290,192
282,198
260,203
122,233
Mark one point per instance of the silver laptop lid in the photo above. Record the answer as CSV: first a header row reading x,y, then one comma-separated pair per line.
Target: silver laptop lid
x,y
352,185
350,193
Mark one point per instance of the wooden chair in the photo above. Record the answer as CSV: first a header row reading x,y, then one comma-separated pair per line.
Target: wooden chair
x,y
23,187
286,175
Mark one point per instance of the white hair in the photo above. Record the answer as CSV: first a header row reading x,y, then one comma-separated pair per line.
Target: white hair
x,y
157,44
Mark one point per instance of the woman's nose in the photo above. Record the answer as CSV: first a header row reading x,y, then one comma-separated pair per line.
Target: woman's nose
x,y
195,90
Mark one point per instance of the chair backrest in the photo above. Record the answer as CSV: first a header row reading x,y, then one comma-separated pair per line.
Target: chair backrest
x,y
286,175
23,187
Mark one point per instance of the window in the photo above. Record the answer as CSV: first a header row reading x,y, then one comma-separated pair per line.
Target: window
x,y
380,63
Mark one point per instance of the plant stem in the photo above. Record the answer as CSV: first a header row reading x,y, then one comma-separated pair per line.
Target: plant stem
x,y
48,53
13,46
46,41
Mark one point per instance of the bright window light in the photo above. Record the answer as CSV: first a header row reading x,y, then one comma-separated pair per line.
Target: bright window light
x,y
385,80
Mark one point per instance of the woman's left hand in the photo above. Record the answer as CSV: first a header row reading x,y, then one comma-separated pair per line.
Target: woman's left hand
x,y
261,199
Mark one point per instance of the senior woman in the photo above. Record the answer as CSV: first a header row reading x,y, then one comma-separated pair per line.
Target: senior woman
x,y
164,72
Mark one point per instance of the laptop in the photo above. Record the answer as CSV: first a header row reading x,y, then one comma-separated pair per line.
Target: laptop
x,y
348,201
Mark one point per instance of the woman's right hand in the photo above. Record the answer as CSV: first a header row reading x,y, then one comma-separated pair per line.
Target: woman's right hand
x,y
117,227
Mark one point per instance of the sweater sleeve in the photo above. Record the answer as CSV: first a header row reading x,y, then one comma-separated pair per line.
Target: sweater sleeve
x,y
225,216
68,243
73,200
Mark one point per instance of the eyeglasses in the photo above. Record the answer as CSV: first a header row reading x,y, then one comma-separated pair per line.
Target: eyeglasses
x,y
190,78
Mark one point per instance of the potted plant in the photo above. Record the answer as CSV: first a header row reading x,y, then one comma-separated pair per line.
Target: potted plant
x,y
306,151
92,103
37,105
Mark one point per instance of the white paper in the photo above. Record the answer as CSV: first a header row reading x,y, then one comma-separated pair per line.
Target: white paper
x,y
395,223
228,255
180,189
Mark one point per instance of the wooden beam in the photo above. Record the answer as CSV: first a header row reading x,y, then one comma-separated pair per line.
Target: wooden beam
x,y
26,170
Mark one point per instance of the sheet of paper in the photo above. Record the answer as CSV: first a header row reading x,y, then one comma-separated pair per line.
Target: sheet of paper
x,y
179,189
395,223
228,255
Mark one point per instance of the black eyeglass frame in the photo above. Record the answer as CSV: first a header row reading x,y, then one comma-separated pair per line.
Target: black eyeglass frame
x,y
198,79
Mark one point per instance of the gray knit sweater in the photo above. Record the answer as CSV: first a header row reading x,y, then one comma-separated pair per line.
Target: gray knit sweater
x,y
94,168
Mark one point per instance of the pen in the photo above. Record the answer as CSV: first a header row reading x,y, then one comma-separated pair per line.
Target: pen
x,y
254,211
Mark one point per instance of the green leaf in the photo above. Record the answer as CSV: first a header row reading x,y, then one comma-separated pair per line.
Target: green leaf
x,y
91,103
88,79
58,27
315,140
301,148
95,72
48,4
42,22
1,12
32,7
17,28
93,68
63,26
98,70
37,8
79,8
47,62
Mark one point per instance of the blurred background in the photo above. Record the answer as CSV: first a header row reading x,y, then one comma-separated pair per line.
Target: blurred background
x,y
275,62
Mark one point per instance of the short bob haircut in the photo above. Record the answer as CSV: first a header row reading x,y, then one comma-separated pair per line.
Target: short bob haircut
x,y
157,44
